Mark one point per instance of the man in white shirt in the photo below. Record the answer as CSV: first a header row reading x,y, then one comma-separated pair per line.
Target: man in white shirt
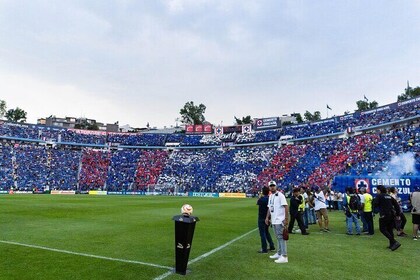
x,y
278,210
321,209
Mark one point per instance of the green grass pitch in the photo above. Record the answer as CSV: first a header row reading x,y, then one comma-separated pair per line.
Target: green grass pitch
x,y
127,237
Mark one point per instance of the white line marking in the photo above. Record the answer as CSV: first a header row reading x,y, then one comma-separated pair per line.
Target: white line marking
x,y
84,255
221,247
163,276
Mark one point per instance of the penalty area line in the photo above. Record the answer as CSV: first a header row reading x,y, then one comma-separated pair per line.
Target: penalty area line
x,y
83,254
163,276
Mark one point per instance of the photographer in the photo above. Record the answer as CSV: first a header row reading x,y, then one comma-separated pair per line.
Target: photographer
x,y
295,214
351,204
399,224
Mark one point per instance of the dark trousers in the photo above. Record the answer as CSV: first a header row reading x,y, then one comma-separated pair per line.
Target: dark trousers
x,y
265,235
400,224
386,226
364,221
298,217
369,221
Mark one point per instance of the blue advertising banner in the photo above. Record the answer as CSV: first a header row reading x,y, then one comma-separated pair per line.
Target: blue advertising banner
x,y
203,194
266,123
405,185
126,193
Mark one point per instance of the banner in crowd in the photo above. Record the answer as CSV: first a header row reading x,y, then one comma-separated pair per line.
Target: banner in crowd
x,y
203,194
410,101
246,128
235,195
405,184
62,192
199,129
88,132
380,109
116,193
218,131
232,129
98,192
126,193
266,123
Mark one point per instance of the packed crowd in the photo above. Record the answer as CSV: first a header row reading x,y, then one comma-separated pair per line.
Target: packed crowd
x,y
7,176
94,169
235,169
207,170
122,170
386,114
384,147
211,170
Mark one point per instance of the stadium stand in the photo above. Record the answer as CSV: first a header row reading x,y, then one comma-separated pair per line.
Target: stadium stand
x,y
63,166
7,174
94,169
149,168
35,156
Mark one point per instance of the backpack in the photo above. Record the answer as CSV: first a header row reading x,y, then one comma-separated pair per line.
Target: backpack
x,y
354,203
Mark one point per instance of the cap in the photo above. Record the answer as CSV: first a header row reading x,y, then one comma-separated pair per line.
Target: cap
x,y
272,183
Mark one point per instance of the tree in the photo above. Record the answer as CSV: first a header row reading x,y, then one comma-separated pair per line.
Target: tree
x,y
363,105
308,116
16,115
409,93
2,108
192,114
316,116
244,120
298,117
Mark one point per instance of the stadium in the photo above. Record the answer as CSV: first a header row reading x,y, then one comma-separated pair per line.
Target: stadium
x,y
76,200
298,105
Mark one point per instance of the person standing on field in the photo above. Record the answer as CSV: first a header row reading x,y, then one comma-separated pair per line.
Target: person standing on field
x,y
278,210
262,226
415,211
296,211
367,210
321,209
389,210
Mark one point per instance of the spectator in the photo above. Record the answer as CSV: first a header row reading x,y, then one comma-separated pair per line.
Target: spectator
x,y
389,210
278,215
351,205
321,209
262,226
415,211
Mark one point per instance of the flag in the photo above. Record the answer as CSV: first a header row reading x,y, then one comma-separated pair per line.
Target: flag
x,y
367,100
246,128
218,131
328,107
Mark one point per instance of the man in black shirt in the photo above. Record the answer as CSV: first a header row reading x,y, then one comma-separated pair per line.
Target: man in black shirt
x,y
389,210
295,214
262,226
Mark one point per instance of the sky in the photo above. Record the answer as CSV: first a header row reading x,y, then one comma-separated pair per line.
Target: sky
x,y
139,62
